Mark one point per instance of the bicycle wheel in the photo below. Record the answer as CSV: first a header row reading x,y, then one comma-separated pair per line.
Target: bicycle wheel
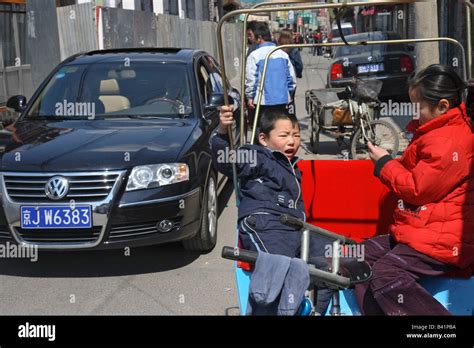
x,y
381,133
315,132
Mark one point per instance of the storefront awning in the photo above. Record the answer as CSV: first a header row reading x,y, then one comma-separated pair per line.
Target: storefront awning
x,y
373,10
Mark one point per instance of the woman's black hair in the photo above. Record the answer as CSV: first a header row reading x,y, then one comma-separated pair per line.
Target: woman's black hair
x,y
269,118
470,98
438,82
262,30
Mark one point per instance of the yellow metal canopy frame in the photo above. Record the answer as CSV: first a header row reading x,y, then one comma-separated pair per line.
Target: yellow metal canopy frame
x,y
261,8
375,42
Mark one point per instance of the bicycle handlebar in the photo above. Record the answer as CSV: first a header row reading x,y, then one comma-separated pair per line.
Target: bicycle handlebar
x,y
237,254
296,223
337,281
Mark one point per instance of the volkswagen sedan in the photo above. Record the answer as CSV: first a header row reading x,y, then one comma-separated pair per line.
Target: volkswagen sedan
x,y
113,151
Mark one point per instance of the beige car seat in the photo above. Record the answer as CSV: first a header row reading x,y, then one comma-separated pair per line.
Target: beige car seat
x,y
109,96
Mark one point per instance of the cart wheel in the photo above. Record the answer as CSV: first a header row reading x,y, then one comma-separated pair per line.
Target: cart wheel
x,y
315,132
381,133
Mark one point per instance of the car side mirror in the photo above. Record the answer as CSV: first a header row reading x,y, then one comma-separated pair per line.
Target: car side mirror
x,y
216,100
17,103
411,48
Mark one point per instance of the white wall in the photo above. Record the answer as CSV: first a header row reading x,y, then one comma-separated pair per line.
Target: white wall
x,y
110,3
181,9
128,4
158,7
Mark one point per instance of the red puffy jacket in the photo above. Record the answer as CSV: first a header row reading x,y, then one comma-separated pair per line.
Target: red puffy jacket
x,y
434,180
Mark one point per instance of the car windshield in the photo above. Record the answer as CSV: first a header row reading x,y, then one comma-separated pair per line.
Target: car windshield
x,y
345,31
360,49
122,89
356,50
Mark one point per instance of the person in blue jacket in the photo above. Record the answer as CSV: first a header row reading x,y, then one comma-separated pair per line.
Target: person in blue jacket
x,y
280,79
270,185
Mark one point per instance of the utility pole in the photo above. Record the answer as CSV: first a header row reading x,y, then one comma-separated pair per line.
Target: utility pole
x,y
220,8
425,21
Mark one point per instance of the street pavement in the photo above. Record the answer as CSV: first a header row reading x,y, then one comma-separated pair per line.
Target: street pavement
x,y
156,280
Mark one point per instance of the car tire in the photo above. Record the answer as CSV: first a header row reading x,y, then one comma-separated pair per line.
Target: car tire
x,y
206,238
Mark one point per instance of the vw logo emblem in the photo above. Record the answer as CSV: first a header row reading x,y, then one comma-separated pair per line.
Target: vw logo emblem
x,y
370,58
56,188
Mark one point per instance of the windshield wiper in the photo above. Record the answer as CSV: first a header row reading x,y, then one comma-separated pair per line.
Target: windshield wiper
x,y
55,117
142,117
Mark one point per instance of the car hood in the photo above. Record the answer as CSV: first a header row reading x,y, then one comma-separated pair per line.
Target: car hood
x,y
91,145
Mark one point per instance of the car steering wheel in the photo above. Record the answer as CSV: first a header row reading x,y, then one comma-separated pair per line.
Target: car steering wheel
x,y
175,103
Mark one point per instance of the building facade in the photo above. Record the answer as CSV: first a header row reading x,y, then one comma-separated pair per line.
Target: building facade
x,y
202,10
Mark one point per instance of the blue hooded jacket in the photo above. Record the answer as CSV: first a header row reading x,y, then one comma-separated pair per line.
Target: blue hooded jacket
x,y
280,79
269,182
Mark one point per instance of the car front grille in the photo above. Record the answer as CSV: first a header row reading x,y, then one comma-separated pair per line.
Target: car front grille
x,y
60,235
128,231
5,235
83,187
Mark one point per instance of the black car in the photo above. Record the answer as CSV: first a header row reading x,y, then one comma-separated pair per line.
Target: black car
x,y
113,151
390,63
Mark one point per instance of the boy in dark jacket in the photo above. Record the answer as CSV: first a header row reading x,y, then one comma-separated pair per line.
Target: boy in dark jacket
x,y
270,186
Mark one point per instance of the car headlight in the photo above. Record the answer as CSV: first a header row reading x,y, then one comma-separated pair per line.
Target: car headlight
x,y
156,175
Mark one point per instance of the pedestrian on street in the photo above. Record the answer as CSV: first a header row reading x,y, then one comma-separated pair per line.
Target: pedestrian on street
x,y
251,39
299,40
286,38
280,80
252,46
318,38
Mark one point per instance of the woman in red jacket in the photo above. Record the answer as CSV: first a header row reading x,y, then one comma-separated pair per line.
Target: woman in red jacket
x,y
433,229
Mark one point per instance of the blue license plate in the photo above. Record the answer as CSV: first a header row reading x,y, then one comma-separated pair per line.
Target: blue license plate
x,y
56,217
368,68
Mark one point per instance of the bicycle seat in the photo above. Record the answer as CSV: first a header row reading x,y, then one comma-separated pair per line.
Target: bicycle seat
x,y
357,271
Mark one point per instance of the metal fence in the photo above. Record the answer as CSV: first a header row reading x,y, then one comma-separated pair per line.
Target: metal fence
x,y
125,28
54,34
15,69
77,29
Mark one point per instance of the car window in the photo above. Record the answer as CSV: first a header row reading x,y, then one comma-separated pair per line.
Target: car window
x,y
204,82
111,89
215,75
345,31
396,47
343,51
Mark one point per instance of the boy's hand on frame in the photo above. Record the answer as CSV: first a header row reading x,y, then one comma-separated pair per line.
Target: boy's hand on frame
x,y
250,104
226,118
376,152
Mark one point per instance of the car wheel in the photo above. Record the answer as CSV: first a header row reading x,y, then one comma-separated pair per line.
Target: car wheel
x,y
206,238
